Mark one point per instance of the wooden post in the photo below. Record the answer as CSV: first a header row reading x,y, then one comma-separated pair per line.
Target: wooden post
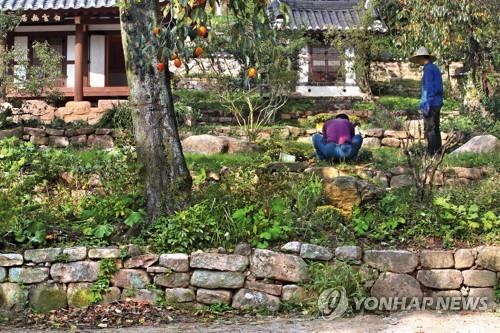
x,y
3,71
79,59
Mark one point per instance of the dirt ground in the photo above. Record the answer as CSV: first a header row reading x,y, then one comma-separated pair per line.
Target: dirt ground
x,y
403,322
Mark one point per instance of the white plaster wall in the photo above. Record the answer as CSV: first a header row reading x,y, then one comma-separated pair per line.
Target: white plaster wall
x,y
97,61
350,75
303,66
328,91
70,56
21,43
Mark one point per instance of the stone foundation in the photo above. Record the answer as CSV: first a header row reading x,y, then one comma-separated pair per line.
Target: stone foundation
x,y
72,111
47,279
62,138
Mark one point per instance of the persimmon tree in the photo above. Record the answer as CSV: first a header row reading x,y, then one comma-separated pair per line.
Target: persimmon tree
x,y
460,30
153,37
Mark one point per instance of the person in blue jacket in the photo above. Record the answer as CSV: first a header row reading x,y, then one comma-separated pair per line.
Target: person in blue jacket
x,y
431,100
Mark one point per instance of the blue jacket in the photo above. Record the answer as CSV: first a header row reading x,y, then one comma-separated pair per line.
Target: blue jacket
x,y
432,88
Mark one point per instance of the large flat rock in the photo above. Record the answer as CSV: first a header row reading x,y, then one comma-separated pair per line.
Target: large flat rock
x,y
397,261
278,266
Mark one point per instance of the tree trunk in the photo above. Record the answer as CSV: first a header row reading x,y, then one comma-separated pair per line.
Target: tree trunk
x,y
166,177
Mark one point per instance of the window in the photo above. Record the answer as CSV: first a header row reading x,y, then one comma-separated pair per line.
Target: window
x,y
324,65
116,76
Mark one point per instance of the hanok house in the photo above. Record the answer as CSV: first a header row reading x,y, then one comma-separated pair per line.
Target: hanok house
x,y
87,34
320,73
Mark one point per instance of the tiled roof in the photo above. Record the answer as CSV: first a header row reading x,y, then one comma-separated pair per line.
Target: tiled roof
x,y
322,14
8,5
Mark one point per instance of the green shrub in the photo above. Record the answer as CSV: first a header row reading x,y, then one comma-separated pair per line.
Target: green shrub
x,y
119,116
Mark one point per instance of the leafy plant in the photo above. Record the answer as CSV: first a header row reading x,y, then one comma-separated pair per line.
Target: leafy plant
x,y
265,225
324,276
107,268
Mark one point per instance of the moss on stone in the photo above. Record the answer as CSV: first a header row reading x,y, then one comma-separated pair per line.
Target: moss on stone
x,y
44,298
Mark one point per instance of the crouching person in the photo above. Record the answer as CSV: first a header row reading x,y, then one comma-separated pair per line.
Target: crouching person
x,y
338,142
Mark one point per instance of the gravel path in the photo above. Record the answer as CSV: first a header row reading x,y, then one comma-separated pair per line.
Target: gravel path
x,y
409,322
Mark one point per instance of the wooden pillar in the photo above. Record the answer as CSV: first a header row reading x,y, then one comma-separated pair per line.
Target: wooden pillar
x,y
3,48
79,58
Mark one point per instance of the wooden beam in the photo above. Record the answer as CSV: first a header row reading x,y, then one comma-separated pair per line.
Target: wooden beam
x,y
79,58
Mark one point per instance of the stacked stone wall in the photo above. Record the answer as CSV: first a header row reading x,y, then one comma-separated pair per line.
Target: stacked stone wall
x,y
52,278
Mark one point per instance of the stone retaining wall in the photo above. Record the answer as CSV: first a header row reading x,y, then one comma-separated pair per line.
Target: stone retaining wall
x,y
52,278
62,138
72,111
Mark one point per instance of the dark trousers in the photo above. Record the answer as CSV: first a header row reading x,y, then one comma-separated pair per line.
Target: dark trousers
x,y
432,131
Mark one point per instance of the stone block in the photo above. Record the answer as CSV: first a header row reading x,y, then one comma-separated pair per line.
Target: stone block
x,y
401,181
13,132
179,295
250,299
374,132
479,278
437,259
396,285
75,253
209,296
372,143
107,104
293,293
42,255
39,140
34,131
142,295
440,278
468,173
54,131
100,141
131,279
178,262
316,252
464,258
27,275
13,297
10,259
268,288
78,271
78,141
45,297
219,261
348,253
79,295
397,261
217,279
292,247
396,134
173,280
105,253
488,257
58,141
391,142
143,260
278,266
78,108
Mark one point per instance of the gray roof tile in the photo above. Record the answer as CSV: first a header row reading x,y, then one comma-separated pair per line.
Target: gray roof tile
x,y
322,14
7,5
